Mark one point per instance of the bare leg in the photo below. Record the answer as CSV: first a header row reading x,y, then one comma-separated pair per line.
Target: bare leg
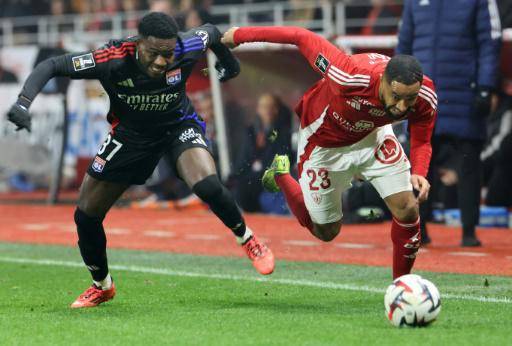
x,y
97,197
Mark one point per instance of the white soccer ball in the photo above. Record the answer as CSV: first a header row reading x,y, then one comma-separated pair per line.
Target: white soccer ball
x,y
412,301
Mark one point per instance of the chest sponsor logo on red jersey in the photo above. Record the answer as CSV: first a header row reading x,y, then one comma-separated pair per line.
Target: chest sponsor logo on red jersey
x,y
363,101
354,104
358,102
359,126
377,112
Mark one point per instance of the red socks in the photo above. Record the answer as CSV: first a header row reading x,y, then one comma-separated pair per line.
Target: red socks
x,y
406,242
405,236
293,194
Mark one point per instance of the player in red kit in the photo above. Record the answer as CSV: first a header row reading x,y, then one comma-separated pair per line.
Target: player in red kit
x,y
345,131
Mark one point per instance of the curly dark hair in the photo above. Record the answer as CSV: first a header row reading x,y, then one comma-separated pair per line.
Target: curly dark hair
x,y
158,25
404,69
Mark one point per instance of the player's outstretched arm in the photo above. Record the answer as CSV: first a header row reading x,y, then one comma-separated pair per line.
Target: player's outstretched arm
x,y
310,44
18,113
75,65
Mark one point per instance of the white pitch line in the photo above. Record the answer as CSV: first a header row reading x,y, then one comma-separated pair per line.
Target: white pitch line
x,y
35,226
185,221
158,233
354,246
117,231
301,243
468,254
202,236
307,283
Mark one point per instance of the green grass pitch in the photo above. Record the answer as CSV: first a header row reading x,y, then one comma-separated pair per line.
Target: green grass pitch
x,y
197,300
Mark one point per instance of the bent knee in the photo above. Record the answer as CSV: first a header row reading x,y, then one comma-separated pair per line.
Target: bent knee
x,y
209,188
327,232
407,210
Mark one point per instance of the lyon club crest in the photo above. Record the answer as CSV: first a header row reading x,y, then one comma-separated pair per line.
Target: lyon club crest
x,y
98,164
173,77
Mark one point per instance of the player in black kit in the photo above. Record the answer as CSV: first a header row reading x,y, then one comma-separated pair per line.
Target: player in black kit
x,y
151,115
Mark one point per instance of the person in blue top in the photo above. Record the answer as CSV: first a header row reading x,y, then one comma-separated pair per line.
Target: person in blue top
x,y
457,43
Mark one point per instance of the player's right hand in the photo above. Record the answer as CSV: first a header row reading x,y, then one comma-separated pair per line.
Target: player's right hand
x,y
19,116
228,39
421,185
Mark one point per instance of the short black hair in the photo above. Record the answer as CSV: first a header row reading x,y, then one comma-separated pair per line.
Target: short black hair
x,y
159,25
404,69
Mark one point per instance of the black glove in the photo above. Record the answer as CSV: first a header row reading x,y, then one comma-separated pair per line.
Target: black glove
x,y
20,117
227,69
482,102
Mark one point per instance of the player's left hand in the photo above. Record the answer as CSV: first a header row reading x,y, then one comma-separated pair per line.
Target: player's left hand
x,y
421,185
227,70
20,116
228,39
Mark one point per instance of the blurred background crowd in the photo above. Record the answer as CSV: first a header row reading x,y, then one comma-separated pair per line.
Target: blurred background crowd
x,y
258,106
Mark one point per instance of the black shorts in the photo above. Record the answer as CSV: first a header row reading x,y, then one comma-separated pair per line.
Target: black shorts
x,y
130,157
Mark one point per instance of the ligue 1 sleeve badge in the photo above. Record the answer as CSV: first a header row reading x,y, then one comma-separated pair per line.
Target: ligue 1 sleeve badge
x,y
173,77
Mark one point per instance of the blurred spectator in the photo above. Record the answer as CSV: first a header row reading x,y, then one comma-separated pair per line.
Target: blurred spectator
x,y
379,20
497,155
129,6
505,8
458,47
268,135
196,17
165,6
187,5
16,8
7,76
303,12
58,8
93,12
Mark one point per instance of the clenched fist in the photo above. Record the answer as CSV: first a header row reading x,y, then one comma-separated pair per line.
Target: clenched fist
x,y
19,116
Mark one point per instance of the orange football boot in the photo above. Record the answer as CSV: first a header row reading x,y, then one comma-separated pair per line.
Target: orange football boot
x,y
94,296
260,255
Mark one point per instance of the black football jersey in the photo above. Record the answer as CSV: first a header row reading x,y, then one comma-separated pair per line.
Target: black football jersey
x,y
136,100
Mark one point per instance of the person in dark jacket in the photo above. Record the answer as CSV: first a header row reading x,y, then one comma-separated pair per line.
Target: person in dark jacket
x,y
268,135
457,44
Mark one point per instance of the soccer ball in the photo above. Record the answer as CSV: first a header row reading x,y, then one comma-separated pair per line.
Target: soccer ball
x,y
412,301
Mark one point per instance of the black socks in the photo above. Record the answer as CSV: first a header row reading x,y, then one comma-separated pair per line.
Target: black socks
x,y
92,243
221,202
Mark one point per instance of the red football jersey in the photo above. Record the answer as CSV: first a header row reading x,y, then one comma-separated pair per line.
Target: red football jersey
x,y
344,106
